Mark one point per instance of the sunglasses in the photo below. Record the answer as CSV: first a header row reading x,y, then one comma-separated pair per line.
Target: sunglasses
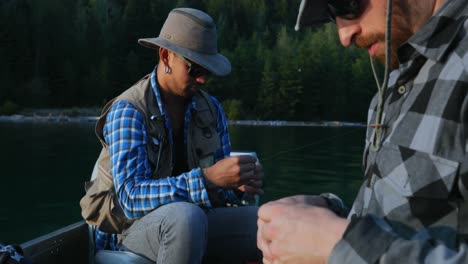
x,y
195,70
346,9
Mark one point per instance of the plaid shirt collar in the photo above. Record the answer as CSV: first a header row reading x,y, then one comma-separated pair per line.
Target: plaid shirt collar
x,y
154,85
434,40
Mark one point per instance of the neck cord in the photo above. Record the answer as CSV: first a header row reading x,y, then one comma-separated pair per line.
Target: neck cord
x,y
378,126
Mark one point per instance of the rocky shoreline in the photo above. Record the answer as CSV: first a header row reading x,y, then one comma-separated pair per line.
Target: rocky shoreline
x,y
296,123
48,118
64,119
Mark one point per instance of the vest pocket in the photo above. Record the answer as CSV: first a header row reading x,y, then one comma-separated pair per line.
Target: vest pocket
x,y
100,207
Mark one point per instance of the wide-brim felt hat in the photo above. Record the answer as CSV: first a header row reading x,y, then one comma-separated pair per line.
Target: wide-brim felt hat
x,y
312,13
192,34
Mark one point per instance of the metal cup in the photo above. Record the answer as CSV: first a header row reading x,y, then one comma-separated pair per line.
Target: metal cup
x,y
248,199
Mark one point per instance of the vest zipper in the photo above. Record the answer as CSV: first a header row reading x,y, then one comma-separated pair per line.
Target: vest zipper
x,y
161,140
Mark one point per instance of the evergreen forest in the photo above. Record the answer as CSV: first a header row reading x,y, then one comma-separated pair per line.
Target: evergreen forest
x,y
81,53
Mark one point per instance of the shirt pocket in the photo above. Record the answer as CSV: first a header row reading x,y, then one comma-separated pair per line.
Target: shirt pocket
x,y
414,173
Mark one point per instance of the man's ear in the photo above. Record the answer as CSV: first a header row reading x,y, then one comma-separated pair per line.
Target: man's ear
x,y
164,56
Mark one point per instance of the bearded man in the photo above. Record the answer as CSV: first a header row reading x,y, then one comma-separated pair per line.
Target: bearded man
x,y
412,206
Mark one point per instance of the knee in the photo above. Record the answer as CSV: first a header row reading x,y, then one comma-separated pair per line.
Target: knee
x,y
186,219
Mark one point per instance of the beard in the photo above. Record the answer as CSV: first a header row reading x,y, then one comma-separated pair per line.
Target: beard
x,y
401,32
191,89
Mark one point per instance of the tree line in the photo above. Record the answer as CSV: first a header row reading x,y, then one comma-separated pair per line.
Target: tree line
x,y
81,53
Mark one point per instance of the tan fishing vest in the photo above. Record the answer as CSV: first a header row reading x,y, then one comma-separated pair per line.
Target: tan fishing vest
x,y
100,206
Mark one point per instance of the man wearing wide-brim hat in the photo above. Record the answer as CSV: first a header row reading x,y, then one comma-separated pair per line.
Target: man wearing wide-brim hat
x,y
166,148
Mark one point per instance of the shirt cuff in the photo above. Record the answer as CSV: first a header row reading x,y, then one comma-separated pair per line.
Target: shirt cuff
x,y
364,241
196,188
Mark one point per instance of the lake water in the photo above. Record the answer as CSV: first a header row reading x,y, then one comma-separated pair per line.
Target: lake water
x,y
44,165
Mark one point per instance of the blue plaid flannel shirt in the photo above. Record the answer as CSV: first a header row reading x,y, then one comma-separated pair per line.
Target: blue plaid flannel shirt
x,y
126,136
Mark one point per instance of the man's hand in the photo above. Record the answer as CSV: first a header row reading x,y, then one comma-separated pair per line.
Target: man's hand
x,y
238,172
298,233
304,200
254,186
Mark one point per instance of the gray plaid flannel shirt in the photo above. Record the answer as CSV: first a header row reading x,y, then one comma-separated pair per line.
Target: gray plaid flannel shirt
x,y
413,207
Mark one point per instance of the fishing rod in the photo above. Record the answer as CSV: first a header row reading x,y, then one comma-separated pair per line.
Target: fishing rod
x,y
320,141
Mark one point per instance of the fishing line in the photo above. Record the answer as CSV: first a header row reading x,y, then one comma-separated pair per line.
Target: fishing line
x,y
308,145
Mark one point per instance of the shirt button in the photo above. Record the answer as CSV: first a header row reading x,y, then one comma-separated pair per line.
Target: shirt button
x,y
402,89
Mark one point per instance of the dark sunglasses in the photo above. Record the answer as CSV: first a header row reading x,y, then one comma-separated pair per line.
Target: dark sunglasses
x,y
195,70
346,9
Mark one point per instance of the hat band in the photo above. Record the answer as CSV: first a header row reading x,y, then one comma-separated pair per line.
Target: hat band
x,y
187,44
195,18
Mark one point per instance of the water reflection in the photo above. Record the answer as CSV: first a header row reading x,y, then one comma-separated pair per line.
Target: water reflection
x,y
306,160
44,166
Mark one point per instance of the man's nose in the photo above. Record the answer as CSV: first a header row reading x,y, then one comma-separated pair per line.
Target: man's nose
x,y
347,30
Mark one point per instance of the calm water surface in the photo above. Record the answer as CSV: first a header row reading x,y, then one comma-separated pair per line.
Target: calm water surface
x,y
44,165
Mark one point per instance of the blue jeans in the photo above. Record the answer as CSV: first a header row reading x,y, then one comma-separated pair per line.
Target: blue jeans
x,y
182,232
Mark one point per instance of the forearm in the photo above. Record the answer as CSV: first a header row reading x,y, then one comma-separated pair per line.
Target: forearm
x,y
141,196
